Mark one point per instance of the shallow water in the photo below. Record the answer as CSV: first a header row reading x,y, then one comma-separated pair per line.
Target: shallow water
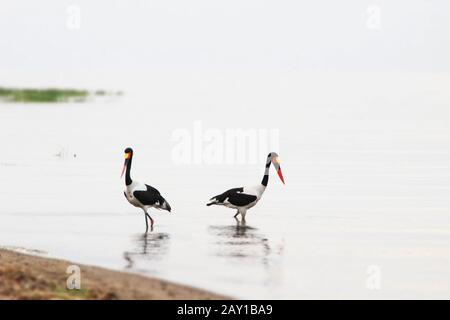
x,y
367,186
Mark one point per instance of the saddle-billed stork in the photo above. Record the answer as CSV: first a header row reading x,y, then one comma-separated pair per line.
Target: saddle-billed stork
x,y
141,195
244,198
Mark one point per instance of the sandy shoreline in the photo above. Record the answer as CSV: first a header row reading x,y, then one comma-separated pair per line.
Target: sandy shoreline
x,y
25,276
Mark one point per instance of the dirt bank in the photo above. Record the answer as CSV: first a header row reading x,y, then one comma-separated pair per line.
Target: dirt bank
x,y
30,277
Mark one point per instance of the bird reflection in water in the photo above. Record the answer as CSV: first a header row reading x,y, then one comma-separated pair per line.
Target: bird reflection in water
x,y
244,247
241,241
149,248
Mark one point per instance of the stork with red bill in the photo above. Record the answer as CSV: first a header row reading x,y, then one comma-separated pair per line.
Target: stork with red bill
x,y
141,195
245,198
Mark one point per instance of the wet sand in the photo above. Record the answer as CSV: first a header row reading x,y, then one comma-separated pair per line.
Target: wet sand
x,y
30,277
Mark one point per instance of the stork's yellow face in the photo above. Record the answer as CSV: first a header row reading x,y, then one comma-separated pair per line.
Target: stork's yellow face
x,y
128,154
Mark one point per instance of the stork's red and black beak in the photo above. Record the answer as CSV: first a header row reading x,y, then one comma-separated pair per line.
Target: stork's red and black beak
x,y
280,174
127,158
278,168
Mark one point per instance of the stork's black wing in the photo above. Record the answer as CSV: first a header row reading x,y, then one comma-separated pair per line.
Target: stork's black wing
x,y
235,196
151,189
151,197
241,199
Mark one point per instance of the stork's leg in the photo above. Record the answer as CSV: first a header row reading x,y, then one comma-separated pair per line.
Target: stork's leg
x,y
235,216
243,212
146,222
151,221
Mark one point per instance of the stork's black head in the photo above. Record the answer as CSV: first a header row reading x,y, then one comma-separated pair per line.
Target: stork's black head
x,y
129,150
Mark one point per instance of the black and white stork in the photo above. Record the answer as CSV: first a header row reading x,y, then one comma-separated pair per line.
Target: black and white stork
x,y
245,198
141,195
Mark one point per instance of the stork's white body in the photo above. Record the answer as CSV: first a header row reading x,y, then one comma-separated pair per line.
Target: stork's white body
x,y
135,186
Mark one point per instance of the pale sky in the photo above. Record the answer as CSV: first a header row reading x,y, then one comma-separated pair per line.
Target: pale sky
x,y
119,42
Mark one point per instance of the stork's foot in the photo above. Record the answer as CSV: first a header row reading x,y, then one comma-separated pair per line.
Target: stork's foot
x,y
240,223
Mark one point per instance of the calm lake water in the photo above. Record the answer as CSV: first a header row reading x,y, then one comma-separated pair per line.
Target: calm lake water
x,y
365,212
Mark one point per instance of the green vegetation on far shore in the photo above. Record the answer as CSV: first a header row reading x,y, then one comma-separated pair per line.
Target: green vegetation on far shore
x,y
49,95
